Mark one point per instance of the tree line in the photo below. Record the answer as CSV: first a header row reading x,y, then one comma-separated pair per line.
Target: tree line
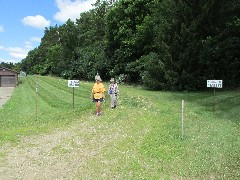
x,y
9,65
162,44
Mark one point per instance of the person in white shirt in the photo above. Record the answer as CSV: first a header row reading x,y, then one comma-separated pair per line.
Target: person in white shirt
x,y
113,93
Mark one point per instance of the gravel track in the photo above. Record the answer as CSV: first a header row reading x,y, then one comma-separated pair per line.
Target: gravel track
x,y
57,155
5,94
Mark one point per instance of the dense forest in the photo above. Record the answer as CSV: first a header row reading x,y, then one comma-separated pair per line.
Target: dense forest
x,y
162,44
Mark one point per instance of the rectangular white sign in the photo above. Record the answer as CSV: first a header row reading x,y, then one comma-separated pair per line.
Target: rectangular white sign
x,y
73,83
214,83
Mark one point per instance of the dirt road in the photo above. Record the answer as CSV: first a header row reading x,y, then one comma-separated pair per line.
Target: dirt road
x,y
5,94
69,153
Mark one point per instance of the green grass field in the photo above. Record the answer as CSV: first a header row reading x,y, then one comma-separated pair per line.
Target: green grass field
x,y
141,139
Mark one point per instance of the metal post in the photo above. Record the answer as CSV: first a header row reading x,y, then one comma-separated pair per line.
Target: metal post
x,y
73,98
37,97
182,118
214,99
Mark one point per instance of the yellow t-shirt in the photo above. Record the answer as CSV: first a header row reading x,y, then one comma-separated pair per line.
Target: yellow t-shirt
x,y
98,90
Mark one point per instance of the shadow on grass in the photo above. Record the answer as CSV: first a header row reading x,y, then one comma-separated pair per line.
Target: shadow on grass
x,y
227,103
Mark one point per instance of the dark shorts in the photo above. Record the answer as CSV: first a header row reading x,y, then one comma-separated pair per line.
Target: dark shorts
x,y
97,100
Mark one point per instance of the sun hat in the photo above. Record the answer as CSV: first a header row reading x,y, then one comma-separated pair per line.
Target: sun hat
x,y
112,80
98,78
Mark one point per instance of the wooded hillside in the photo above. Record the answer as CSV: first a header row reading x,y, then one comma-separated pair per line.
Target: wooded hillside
x,y
162,44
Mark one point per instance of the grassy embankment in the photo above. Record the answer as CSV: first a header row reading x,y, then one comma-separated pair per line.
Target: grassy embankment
x,y
142,136
18,116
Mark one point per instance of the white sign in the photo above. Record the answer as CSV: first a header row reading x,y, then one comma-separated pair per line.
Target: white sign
x,y
73,83
214,83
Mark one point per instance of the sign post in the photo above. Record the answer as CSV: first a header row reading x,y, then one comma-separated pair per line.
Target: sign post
x,y
73,83
182,118
214,84
214,99
37,96
73,98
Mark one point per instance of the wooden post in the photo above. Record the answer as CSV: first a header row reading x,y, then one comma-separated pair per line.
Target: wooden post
x,y
182,118
73,98
37,96
214,99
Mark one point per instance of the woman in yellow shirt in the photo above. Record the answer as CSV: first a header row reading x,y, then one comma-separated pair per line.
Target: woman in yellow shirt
x,y
97,95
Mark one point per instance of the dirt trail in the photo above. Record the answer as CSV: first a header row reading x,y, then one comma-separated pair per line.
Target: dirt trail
x,y
77,151
5,94
58,155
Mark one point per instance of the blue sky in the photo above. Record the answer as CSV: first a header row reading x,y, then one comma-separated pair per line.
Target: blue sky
x,y
22,23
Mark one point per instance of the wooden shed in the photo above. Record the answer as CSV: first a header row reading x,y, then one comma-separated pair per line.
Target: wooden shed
x,y
8,77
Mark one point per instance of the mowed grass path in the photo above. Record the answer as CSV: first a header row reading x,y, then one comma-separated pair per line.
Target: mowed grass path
x,y
141,139
18,116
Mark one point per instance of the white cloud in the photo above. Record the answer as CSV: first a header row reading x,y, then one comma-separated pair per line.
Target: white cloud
x,y
71,9
17,52
1,29
9,60
35,39
37,21
28,45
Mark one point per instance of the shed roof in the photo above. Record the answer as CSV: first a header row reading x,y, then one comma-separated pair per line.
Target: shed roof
x,y
1,68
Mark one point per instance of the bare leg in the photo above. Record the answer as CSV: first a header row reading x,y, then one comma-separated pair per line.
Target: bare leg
x,y
97,107
100,108
113,100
